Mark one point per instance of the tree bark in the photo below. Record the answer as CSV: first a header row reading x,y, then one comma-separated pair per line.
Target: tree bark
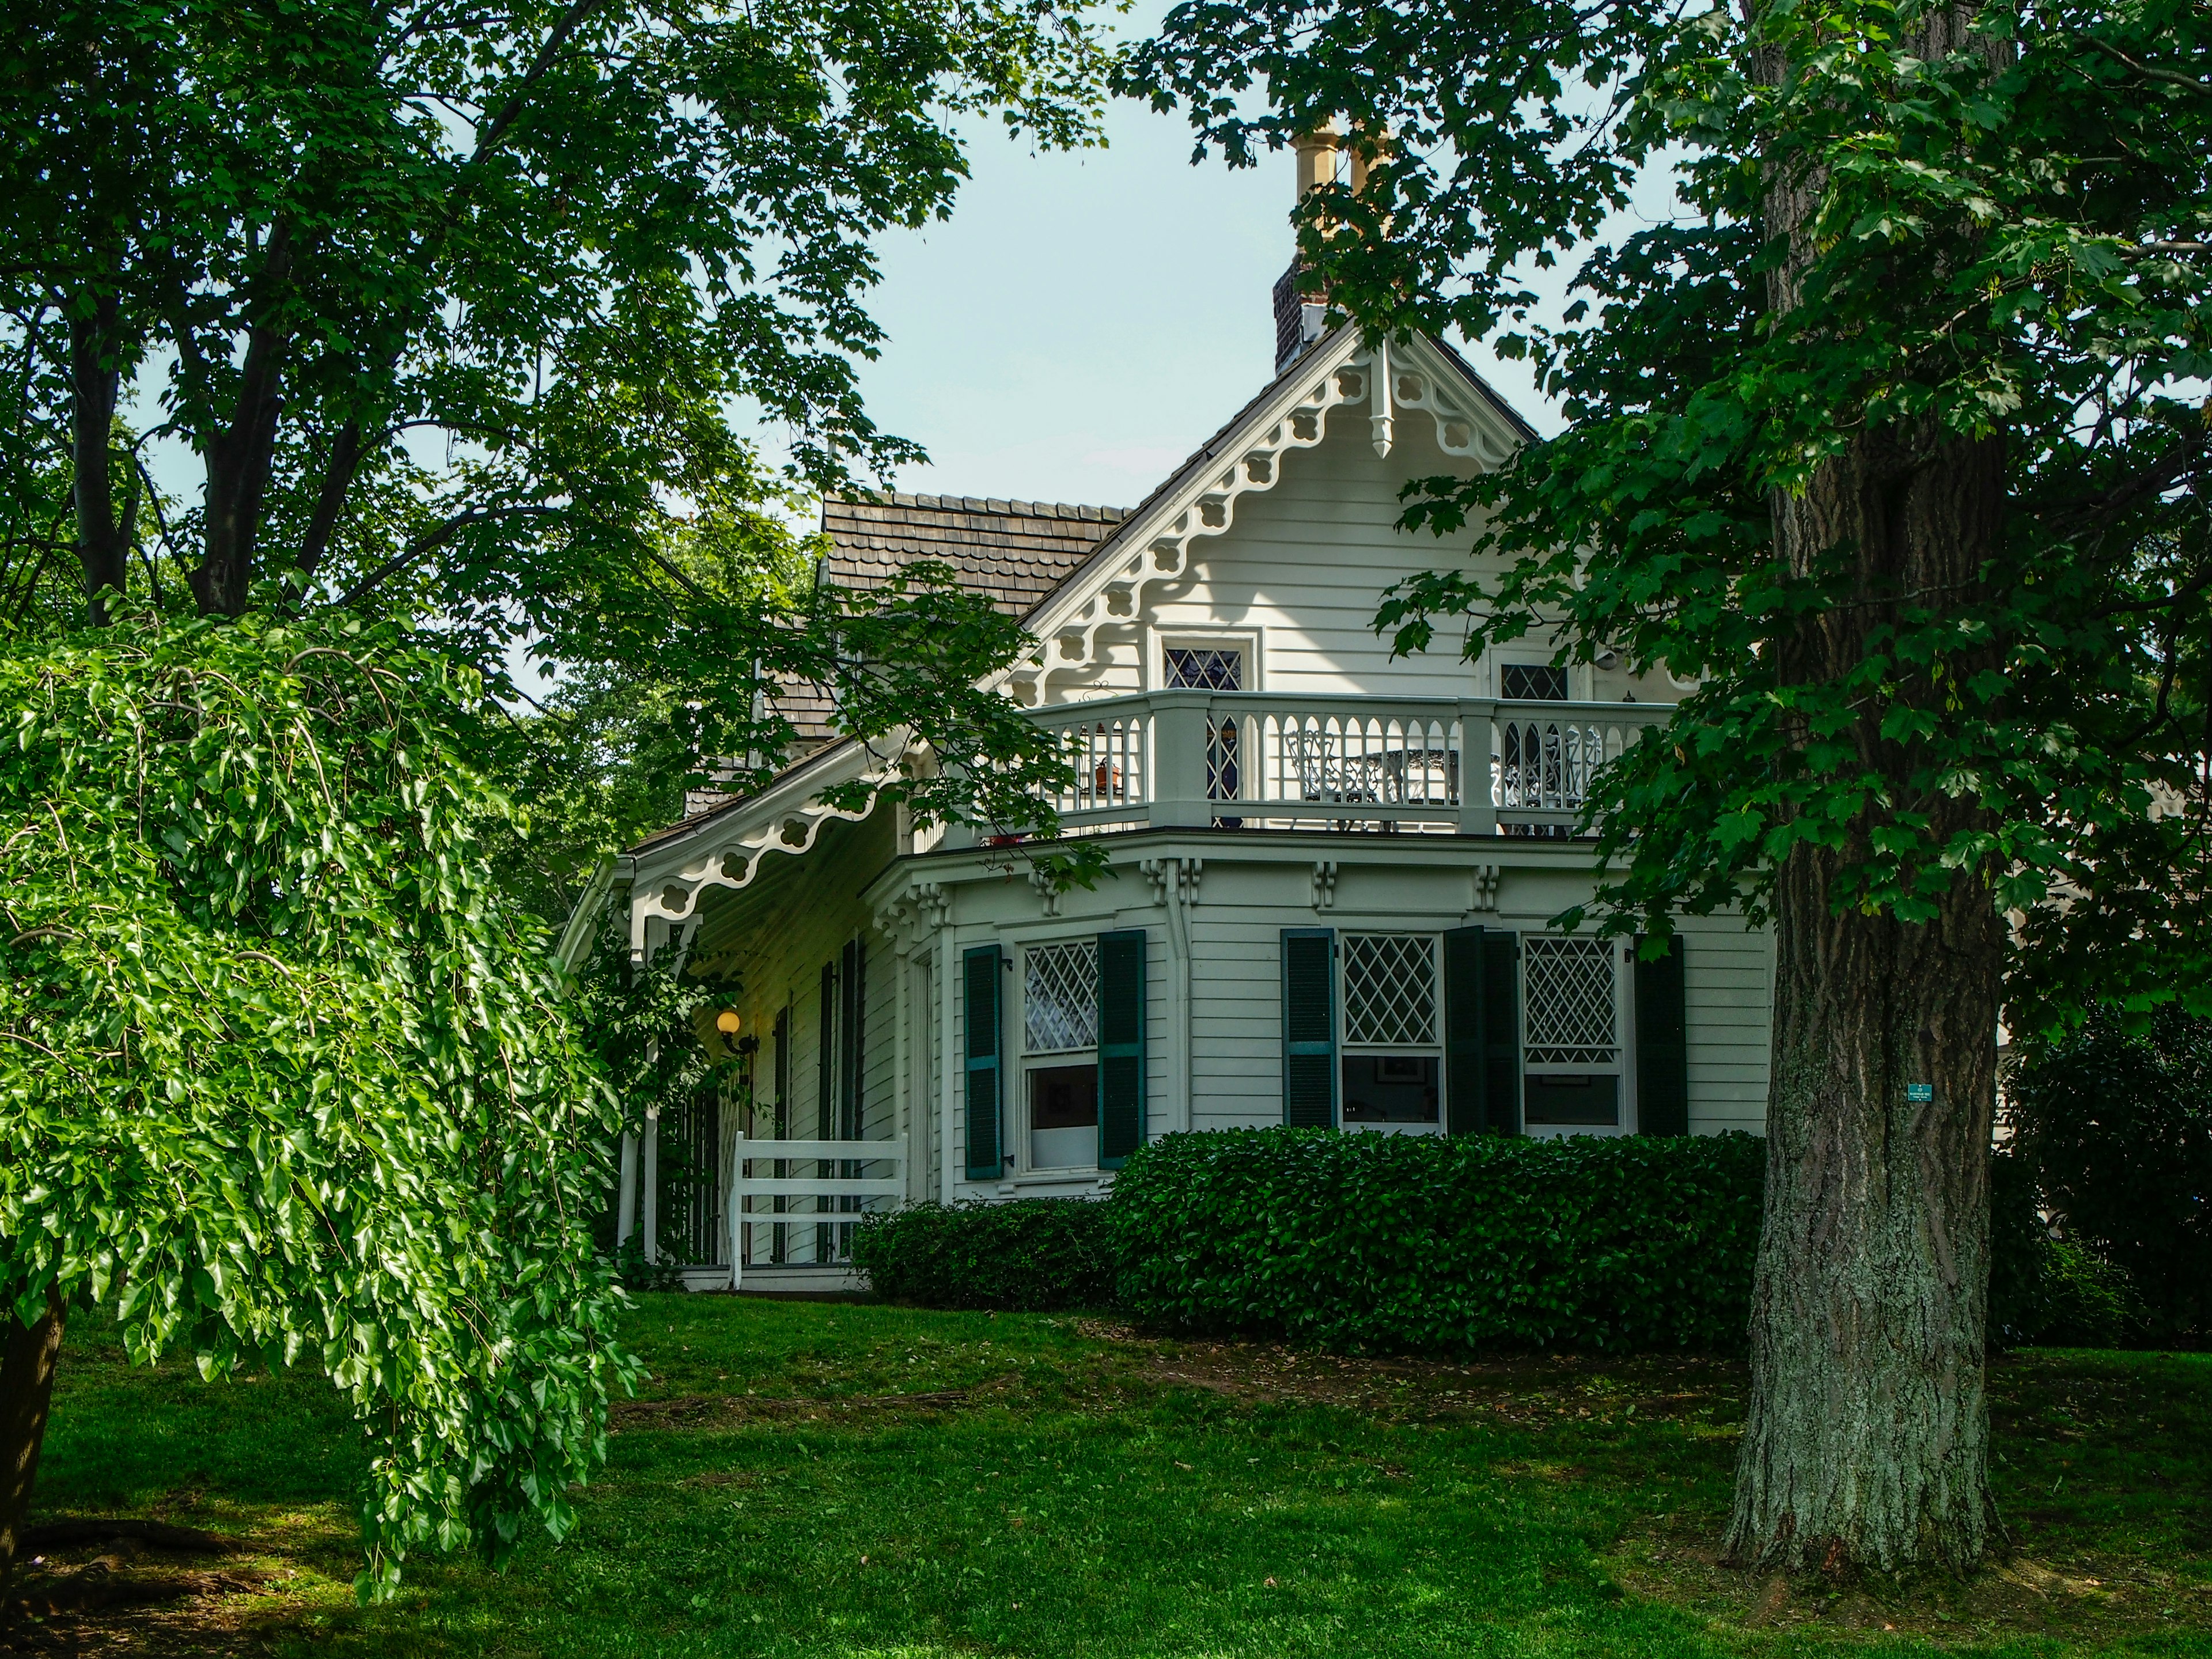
x,y
103,550
240,457
27,1392
1867,1437
331,498
1867,1441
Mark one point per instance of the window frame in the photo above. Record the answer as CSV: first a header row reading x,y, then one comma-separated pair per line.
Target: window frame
x,y
1247,641
1622,1066
1495,663
1036,1059
1432,1050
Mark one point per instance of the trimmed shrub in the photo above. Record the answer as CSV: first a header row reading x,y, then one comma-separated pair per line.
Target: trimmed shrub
x,y
1028,1255
1416,1243
2112,1124
2046,1290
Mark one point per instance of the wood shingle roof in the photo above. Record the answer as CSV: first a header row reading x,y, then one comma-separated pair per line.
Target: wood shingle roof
x,y
1011,552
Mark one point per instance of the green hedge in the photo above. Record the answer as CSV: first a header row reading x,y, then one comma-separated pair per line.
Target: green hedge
x,y
1414,1243
1028,1255
2048,1292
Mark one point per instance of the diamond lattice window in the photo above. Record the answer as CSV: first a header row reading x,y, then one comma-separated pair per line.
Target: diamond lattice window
x,y
1568,992
1060,1000
1196,668
1390,990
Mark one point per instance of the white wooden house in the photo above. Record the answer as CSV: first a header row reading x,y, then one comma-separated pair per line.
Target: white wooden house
x,y
1329,872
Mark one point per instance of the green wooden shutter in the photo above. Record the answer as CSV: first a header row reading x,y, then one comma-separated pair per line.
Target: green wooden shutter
x,y
986,1083
826,1073
825,1097
1464,1112
1662,1043
1499,1001
852,1022
1120,1046
1309,1027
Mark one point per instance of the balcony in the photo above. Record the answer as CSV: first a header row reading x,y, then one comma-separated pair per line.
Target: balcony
x,y
1260,760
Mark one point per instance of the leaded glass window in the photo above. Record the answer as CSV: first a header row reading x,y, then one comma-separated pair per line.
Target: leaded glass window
x,y
1531,682
1204,668
1569,1001
1390,990
1059,997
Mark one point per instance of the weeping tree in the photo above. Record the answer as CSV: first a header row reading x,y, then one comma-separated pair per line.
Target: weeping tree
x,y
463,316
1886,430
283,1075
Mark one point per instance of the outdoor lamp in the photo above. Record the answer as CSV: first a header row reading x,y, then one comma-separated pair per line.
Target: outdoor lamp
x,y
726,1022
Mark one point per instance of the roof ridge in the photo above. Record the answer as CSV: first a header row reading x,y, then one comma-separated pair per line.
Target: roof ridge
x,y
1002,507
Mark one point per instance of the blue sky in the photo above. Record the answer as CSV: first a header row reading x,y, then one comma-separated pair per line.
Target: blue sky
x,y
1083,321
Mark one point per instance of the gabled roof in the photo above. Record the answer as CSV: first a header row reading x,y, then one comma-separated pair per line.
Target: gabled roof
x,y
1051,560
1154,541
1011,552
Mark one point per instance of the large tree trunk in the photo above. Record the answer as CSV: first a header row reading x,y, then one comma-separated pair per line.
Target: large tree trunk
x,y
27,1390
103,548
1867,1441
1867,1437
240,457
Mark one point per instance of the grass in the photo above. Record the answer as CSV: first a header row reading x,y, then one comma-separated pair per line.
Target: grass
x,y
832,1480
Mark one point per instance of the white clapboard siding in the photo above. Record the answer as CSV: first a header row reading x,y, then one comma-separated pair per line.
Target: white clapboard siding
x,y
1303,566
1727,986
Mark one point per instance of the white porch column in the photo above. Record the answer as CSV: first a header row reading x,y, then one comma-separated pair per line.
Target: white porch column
x,y
1175,884
1181,722
626,1194
651,1195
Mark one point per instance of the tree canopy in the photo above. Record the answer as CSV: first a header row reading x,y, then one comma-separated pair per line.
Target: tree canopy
x,y
466,318
471,315
1887,440
2004,240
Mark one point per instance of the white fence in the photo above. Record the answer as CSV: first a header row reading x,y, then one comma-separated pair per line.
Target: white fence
x,y
836,1200
1267,760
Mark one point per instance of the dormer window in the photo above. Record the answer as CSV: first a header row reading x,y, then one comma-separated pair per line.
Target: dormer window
x,y
1204,668
1532,682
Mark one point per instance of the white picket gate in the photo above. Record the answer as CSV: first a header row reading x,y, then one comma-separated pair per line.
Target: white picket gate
x,y
824,1190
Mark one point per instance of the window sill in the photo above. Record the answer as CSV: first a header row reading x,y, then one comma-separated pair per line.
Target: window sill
x,y
1052,1178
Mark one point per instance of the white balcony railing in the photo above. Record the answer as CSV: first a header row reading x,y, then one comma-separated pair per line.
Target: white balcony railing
x,y
1270,760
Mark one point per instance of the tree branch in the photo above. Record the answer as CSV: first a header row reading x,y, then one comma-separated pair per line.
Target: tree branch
x,y
429,542
331,499
2174,77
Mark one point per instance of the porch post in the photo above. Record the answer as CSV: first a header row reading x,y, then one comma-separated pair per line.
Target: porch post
x,y
1478,734
738,1240
651,1195
626,1196
945,1068
1179,722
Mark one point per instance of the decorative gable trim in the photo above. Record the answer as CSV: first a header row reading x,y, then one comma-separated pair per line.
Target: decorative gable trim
x,y
1156,545
669,878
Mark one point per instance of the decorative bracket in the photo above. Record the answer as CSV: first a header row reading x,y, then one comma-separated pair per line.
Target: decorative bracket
x,y
1047,890
1324,884
911,918
1174,878
1485,886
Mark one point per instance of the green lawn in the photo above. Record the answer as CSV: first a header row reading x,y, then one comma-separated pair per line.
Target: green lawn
x,y
849,1480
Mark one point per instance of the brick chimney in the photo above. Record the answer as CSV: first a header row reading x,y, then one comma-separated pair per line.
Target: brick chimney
x,y
1324,158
